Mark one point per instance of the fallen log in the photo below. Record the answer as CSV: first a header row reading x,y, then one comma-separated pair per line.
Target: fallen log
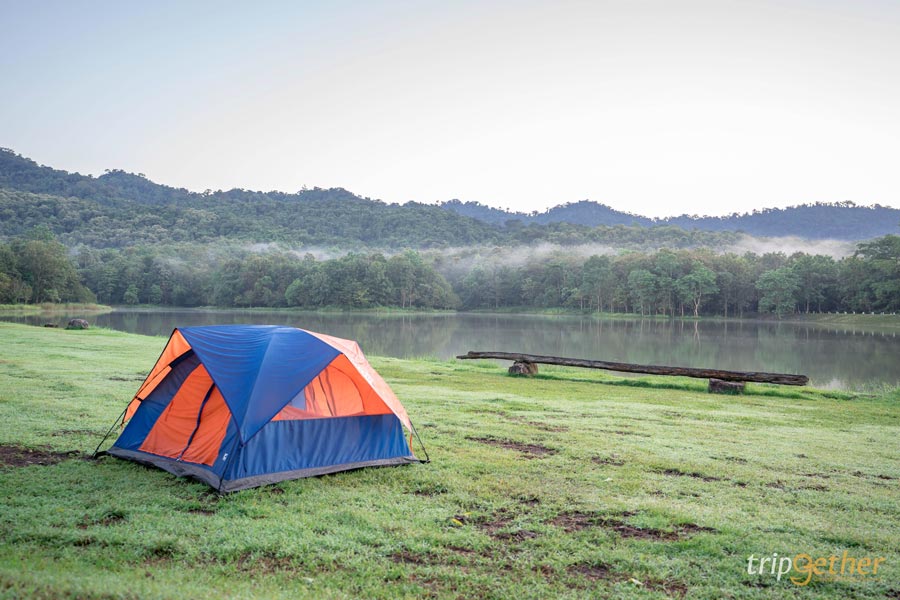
x,y
756,377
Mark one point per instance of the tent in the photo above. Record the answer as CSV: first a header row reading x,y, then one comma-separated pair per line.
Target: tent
x,y
238,406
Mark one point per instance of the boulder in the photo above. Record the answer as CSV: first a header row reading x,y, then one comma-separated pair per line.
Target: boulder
x,y
718,386
523,368
78,324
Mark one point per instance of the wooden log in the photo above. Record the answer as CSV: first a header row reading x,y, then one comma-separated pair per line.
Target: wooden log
x,y
717,386
757,377
523,368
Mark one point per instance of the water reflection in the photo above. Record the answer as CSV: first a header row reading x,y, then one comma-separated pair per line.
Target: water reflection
x,y
850,359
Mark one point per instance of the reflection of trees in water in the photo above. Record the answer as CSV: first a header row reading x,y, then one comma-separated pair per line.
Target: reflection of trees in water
x,y
830,357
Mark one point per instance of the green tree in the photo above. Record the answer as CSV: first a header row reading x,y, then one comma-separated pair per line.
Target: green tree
x,y
696,285
131,295
642,288
778,291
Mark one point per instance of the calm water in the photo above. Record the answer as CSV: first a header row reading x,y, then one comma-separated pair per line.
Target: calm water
x,y
833,358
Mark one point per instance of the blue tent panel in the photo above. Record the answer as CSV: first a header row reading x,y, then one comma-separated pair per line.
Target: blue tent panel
x,y
289,449
258,368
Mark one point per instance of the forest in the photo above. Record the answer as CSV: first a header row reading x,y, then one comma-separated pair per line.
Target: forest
x,y
36,268
119,209
123,239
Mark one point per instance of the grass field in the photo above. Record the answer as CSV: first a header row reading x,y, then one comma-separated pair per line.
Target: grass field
x,y
49,307
575,484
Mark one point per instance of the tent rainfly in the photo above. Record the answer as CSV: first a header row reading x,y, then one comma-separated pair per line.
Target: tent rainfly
x,y
238,406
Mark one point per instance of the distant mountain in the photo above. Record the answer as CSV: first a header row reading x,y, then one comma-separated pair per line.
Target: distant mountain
x,y
82,207
841,221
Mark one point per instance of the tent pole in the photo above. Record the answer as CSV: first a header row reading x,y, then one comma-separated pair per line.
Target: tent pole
x,y
97,452
416,433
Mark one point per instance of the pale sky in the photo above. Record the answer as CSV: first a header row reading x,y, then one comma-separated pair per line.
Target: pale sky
x,y
657,107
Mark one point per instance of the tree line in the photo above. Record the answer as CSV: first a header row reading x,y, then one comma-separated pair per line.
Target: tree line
x,y
37,268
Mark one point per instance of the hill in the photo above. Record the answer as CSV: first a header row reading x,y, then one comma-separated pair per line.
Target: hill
x,y
122,209
100,211
842,221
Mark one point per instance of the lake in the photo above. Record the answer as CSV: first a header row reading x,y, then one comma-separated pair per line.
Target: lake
x,y
836,358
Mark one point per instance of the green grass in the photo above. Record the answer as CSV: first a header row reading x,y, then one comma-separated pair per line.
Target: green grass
x,y
50,307
850,320
630,488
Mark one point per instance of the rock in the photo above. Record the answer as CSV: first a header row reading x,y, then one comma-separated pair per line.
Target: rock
x,y
78,324
717,386
50,325
523,368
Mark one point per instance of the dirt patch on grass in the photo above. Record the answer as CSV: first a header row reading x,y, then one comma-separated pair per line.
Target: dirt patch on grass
x,y
528,451
578,521
693,474
515,536
430,489
593,572
461,550
669,587
495,524
737,459
873,476
611,461
624,432
407,557
692,528
207,512
602,572
264,564
16,456
105,520
814,487
75,432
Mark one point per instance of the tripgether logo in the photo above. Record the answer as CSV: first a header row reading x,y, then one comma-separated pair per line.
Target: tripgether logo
x,y
803,567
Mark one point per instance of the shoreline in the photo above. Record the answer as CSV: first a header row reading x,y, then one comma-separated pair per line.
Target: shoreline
x,y
843,320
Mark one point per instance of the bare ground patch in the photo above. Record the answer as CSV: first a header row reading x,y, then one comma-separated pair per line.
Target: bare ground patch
x,y
611,461
693,474
873,476
17,456
62,432
624,432
407,557
578,521
105,520
199,510
593,572
529,451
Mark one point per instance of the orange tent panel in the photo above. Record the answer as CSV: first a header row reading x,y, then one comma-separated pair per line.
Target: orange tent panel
x,y
171,432
204,448
354,354
176,347
338,391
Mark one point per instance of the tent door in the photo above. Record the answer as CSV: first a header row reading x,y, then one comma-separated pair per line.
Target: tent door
x,y
199,418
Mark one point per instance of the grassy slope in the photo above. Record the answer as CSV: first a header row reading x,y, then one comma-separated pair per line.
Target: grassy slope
x,y
811,473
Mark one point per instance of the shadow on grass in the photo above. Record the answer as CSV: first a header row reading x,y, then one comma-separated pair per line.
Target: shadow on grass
x,y
698,387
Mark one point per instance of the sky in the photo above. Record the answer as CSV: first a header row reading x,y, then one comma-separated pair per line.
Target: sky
x,y
656,107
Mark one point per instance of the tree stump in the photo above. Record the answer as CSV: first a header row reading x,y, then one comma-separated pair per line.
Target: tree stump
x,y
523,368
78,324
717,386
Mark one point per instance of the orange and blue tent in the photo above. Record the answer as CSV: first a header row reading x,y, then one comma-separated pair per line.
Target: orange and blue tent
x,y
238,406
